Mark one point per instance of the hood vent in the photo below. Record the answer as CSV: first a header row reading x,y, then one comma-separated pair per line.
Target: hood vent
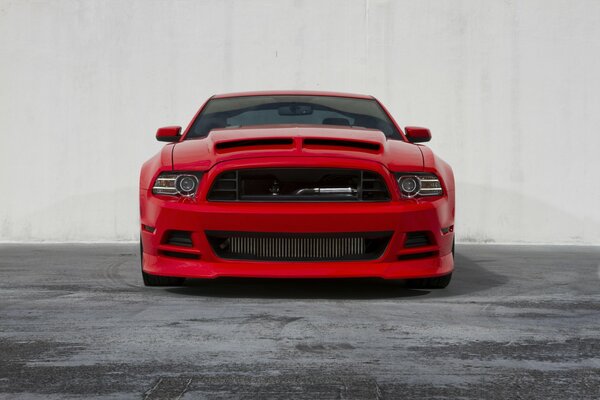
x,y
288,143
247,144
316,143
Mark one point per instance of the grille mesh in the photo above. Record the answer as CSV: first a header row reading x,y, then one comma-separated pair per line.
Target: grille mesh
x,y
299,247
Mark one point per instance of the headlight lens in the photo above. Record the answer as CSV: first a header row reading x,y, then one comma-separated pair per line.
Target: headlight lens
x,y
413,185
177,184
186,185
409,185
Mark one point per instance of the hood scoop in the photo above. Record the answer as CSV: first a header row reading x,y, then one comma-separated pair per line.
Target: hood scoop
x,y
342,144
254,144
310,143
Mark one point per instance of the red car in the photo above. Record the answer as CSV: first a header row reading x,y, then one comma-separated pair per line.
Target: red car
x,y
296,185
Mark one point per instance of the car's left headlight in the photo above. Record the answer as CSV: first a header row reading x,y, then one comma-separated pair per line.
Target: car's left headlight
x,y
418,184
177,183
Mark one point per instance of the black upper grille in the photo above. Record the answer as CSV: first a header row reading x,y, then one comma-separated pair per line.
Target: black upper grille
x,y
299,246
299,184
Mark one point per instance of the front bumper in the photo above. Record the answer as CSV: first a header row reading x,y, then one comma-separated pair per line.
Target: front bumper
x,y
396,262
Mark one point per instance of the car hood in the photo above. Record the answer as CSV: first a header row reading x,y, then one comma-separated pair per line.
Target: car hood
x,y
296,141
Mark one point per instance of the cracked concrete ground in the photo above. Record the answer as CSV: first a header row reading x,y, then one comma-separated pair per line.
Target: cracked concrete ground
x,y
516,322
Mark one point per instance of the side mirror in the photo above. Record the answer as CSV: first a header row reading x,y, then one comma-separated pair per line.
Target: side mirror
x,y
416,134
168,134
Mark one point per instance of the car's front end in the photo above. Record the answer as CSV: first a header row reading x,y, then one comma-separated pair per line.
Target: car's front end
x,y
297,202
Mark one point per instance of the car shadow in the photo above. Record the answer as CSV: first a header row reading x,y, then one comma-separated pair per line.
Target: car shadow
x,y
469,277
333,289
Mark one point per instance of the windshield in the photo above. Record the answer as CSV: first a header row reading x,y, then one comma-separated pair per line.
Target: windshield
x,y
236,112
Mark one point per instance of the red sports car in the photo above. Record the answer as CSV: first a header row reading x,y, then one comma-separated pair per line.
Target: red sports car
x,y
296,185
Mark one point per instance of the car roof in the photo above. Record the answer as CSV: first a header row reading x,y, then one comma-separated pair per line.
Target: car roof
x,y
292,93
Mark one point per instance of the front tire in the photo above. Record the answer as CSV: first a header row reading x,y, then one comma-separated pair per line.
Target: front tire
x,y
156,280
439,282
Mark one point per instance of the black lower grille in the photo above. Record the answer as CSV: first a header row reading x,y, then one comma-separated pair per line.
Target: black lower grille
x,y
299,246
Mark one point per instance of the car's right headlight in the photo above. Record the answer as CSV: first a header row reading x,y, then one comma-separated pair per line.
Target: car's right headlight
x,y
419,184
177,183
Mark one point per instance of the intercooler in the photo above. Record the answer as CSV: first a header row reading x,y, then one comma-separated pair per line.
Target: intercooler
x,y
299,246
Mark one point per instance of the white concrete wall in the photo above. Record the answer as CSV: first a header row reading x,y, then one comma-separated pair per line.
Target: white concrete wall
x,y
510,90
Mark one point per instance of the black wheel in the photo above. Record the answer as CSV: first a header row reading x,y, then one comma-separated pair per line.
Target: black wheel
x,y
155,280
439,282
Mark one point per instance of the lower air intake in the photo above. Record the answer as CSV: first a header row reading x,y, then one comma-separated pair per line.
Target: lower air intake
x,y
299,246
417,239
179,238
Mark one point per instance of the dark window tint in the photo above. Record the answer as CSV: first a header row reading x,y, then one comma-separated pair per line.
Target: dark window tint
x,y
298,110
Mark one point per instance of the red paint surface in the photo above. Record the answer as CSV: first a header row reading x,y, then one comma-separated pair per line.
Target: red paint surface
x,y
198,215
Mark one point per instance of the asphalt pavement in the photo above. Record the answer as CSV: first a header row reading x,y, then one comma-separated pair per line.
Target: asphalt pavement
x,y
517,322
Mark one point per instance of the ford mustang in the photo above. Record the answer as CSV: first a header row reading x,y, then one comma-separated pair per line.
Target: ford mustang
x,y
296,184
